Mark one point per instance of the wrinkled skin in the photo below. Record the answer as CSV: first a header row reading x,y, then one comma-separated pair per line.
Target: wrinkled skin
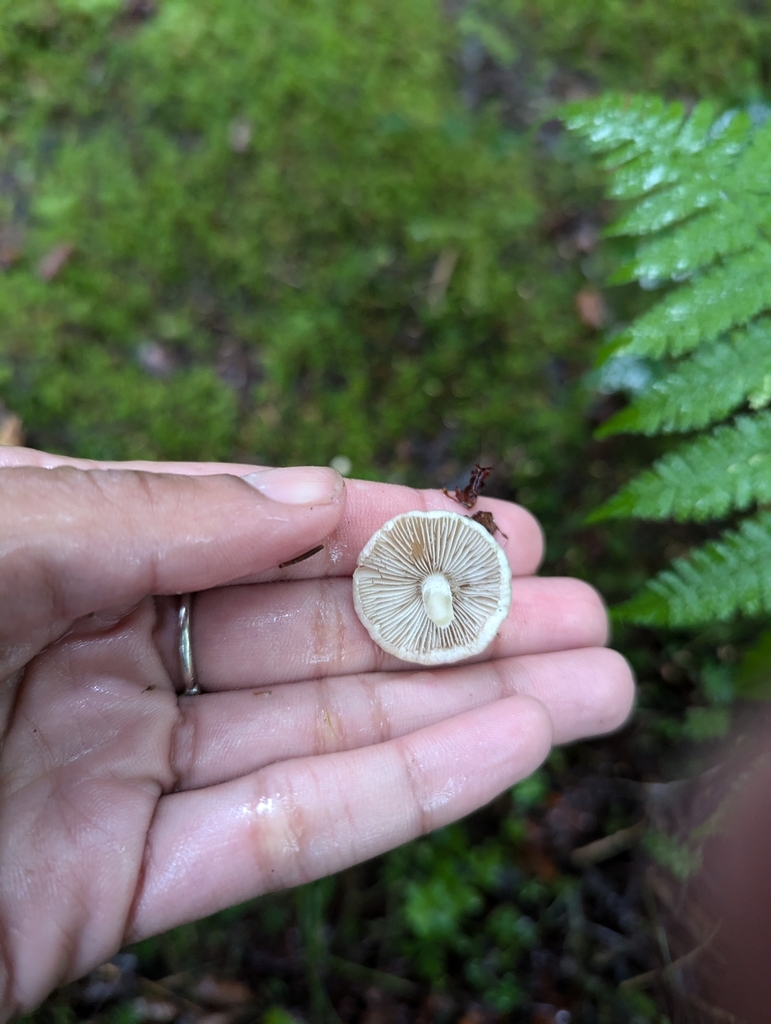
x,y
128,809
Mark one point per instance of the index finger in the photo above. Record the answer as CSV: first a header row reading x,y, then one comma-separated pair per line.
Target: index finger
x,y
369,505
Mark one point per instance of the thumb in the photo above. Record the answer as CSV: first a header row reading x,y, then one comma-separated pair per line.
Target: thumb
x,y
78,541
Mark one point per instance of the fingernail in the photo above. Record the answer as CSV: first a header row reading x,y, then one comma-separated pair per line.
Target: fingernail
x,y
297,485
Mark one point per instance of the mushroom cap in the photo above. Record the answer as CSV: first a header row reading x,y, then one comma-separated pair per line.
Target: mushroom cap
x,y
432,587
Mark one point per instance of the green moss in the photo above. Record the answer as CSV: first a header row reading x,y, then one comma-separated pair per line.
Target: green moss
x,y
696,47
283,183
276,187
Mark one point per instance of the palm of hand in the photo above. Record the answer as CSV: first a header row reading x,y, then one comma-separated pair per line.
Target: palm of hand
x,y
87,755
127,810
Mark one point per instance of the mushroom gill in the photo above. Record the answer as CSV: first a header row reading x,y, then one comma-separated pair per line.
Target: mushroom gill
x,y
432,587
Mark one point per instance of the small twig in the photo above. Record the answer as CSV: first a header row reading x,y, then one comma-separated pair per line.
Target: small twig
x,y
643,980
716,1012
157,990
440,277
389,983
301,558
608,846
667,972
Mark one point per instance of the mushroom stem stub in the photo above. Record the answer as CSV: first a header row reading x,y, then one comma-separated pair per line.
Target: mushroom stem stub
x,y
437,600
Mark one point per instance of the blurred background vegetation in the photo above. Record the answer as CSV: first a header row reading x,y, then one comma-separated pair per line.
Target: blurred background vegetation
x,y
305,230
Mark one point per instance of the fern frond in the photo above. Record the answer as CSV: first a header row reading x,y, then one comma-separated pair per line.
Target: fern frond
x,y
727,228
737,212
632,126
721,578
704,479
666,208
648,143
726,296
752,168
703,388
701,200
701,153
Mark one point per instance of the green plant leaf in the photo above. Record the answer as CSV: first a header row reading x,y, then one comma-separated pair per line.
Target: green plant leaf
x,y
704,387
730,226
717,580
754,670
706,723
626,126
725,470
725,296
700,186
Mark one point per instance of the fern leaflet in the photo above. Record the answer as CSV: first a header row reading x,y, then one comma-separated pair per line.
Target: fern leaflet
x,y
727,295
706,479
704,388
723,577
730,227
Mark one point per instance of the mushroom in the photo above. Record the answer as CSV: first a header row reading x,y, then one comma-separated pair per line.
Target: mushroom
x,y
432,587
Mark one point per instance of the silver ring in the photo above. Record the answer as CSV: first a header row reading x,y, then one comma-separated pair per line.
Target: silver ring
x,y
186,648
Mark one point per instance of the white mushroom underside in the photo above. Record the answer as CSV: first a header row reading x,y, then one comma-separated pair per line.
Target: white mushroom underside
x,y
460,615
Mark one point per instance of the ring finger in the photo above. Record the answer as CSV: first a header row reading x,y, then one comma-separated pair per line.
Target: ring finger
x,y
225,735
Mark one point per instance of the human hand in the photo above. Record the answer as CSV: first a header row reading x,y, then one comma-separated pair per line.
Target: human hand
x,y
126,809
